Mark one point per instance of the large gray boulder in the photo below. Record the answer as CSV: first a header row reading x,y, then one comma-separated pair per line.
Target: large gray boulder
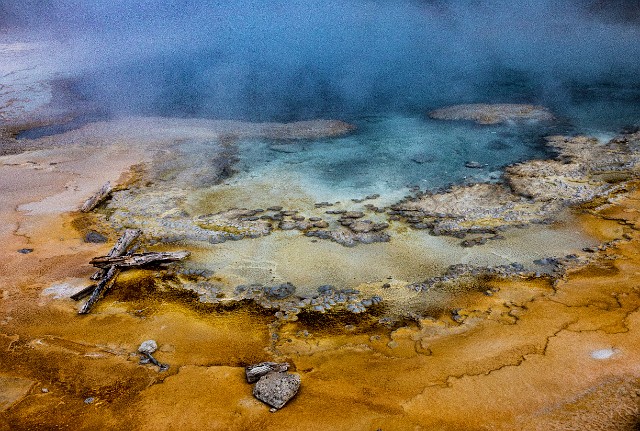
x,y
275,389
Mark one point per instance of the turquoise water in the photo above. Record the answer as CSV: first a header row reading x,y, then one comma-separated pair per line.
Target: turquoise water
x,y
389,153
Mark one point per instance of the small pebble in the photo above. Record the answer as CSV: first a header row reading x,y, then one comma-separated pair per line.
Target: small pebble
x,y
25,250
148,347
89,400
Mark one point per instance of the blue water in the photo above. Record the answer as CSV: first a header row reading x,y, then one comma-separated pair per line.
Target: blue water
x,y
394,152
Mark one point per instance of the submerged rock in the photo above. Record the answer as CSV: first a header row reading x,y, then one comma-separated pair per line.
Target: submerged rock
x,y
312,129
474,165
276,389
483,113
94,237
350,238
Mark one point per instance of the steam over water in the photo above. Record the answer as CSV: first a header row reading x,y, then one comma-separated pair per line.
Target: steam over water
x,y
381,65
289,60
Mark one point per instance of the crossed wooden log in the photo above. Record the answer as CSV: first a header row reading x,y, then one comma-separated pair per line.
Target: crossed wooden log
x,y
121,256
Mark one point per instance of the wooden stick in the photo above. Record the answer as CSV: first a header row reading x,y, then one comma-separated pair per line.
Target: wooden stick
x,y
95,200
119,249
83,293
138,259
104,285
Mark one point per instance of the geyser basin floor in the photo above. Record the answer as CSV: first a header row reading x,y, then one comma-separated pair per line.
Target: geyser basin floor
x,y
184,156
435,374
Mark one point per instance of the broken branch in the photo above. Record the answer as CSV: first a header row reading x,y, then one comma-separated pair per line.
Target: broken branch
x,y
121,246
138,259
97,198
104,285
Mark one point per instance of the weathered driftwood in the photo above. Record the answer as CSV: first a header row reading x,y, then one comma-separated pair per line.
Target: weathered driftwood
x,y
97,198
103,285
83,293
118,258
138,259
254,372
119,249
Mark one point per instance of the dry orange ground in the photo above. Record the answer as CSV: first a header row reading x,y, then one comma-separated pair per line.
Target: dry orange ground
x,y
522,358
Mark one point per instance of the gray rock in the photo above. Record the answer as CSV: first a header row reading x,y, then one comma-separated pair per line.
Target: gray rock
x,y
275,389
256,371
287,225
423,158
280,291
94,237
474,165
148,347
353,214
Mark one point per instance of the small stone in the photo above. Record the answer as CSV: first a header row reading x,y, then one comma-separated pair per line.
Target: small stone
x,y
287,225
89,400
94,237
44,390
280,291
25,250
148,347
256,371
325,289
353,214
276,389
423,158
474,165
274,208
379,226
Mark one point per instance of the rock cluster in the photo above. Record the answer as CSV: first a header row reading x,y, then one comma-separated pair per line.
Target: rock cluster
x,y
534,191
234,224
586,169
456,274
327,298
